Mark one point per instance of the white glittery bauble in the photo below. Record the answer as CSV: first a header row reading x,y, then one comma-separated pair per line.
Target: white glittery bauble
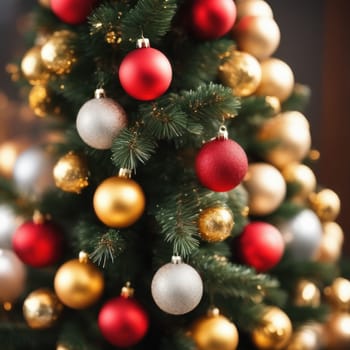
x,y
302,234
99,121
9,221
32,173
12,276
177,288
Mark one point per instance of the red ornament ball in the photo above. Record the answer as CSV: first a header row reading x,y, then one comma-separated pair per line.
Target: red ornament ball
x,y
221,165
123,322
212,19
38,244
72,11
260,245
145,73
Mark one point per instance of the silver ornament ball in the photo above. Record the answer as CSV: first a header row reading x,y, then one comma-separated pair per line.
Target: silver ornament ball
x,y
99,121
12,276
32,173
302,234
177,287
9,221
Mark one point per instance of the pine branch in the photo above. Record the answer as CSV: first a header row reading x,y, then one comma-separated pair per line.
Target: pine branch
x,y
132,147
178,341
298,100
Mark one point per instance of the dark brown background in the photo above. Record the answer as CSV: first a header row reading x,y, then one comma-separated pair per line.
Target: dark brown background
x,y
315,43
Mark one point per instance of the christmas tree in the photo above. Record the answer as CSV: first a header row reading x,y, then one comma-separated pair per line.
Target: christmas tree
x,y
171,202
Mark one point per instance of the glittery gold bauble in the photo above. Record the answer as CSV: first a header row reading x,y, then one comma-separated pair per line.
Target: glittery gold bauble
x,y
78,283
40,101
274,330
41,309
326,204
337,331
241,72
307,337
302,177
215,224
266,188
214,332
70,173
9,151
291,134
119,201
331,243
307,294
338,294
33,67
57,53
277,79
258,36
258,8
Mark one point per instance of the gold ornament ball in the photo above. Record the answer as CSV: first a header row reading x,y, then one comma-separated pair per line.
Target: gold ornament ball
x,y
215,224
41,309
257,8
307,337
307,294
337,331
258,36
78,283
302,177
119,201
331,243
266,188
40,101
290,132
9,151
70,173
338,294
214,332
57,53
274,330
277,79
45,3
241,72
326,204
33,67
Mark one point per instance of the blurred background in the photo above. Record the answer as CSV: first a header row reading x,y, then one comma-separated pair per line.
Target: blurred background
x,y
315,44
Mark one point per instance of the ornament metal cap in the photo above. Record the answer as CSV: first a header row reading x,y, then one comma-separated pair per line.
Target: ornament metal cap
x,y
142,42
100,93
222,134
83,257
124,172
127,291
175,259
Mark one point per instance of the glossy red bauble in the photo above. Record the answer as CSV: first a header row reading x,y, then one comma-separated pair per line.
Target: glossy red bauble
x,y
221,165
260,245
72,11
211,19
38,244
123,322
145,73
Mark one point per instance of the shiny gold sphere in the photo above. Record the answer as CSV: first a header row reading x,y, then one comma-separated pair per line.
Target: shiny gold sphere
x,y
258,8
337,331
290,132
302,177
9,151
277,79
78,284
40,101
119,201
241,72
307,294
41,309
215,224
33,67
71,173
274,331
266,188
331,243
258,36
307,337
214,332
338,294
57,53
326,204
